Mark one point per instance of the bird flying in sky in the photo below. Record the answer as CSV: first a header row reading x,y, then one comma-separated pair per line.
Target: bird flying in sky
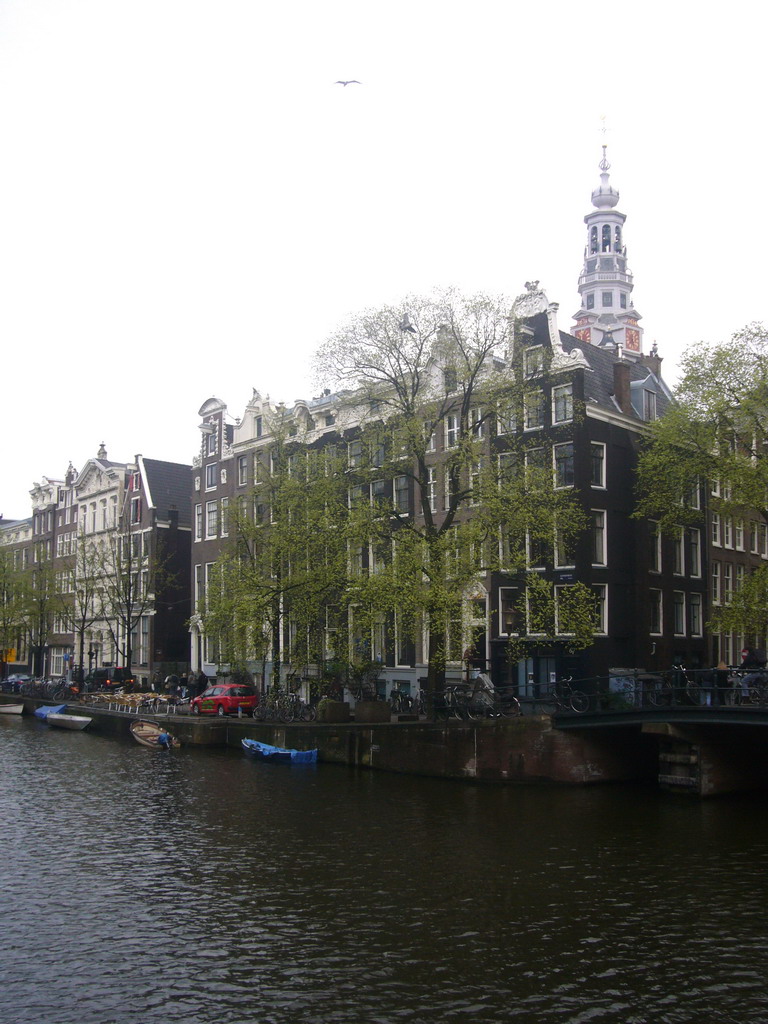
x,y
352,81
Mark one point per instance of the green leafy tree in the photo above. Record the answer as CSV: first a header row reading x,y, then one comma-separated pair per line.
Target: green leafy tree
x,y
125,579
715,435
278,586
13,604
82,602
43,604
442,366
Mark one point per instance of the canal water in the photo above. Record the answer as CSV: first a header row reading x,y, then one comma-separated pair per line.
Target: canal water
x,y
141,886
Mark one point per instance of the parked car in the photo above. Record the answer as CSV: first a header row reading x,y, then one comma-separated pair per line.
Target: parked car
x,y
224,699
109,678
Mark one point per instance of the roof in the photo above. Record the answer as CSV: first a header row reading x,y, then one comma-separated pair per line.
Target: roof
x,y
599,385
169,486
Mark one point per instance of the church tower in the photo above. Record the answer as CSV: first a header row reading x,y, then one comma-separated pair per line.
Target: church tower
x,y
607,316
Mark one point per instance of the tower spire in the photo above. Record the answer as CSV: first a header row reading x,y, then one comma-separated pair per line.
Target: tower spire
x,y
607,316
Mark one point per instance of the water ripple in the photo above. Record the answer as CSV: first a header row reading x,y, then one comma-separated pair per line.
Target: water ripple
x,y
206,889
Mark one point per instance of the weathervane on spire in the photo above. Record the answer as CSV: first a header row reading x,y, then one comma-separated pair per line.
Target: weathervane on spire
x,y
604,165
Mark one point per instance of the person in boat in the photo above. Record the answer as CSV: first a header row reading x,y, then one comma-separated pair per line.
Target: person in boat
x,y
164,739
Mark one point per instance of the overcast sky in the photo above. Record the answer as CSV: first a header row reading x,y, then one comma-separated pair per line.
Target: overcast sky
x,y
189,204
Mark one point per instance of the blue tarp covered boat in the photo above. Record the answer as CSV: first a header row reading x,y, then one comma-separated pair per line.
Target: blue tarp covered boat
x,y
266,752
47,709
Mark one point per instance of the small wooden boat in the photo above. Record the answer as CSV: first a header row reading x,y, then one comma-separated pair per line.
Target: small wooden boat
x,y
11,709
284,755
68,721
148,735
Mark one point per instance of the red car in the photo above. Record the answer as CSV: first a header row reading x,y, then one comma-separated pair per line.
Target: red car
x,y
225,699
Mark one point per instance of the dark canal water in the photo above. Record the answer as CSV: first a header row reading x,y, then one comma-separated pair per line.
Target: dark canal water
x,y
139,886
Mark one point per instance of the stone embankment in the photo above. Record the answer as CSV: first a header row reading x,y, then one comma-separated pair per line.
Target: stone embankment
x,y
523,750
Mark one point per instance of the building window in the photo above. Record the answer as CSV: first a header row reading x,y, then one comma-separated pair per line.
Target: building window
x,y
401,494
451,430
211,443
600,591
198,522
242,470
565,556
355,454
211,518
564,624
135,510
727,582
476,422
656,612
727,532
716,532
606,238
694,608
695,552
597,451
534,411
562,403
536,552
590,300
507,468
378,492
598,538
715,582
649,405
258,423
505,420
607,299
475,477
623,300
678,606
210,476
432,488
655,544
679,552
534,361
738,534
564,475
225,517
452,486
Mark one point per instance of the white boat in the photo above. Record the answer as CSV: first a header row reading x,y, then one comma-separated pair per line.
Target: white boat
x,y
68,721
11,709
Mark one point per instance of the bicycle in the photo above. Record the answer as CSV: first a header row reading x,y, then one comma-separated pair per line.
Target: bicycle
x,y
291,708
563,697
401,702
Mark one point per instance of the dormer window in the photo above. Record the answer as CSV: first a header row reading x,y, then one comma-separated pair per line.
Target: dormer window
x,y
649,405
330,419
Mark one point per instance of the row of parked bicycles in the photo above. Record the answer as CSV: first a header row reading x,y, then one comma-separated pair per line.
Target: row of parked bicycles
x,y
49,689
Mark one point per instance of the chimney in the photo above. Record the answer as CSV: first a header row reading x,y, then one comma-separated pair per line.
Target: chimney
x,y
621,387
653,360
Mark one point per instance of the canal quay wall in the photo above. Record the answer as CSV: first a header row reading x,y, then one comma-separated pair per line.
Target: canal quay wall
x,y
522,750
